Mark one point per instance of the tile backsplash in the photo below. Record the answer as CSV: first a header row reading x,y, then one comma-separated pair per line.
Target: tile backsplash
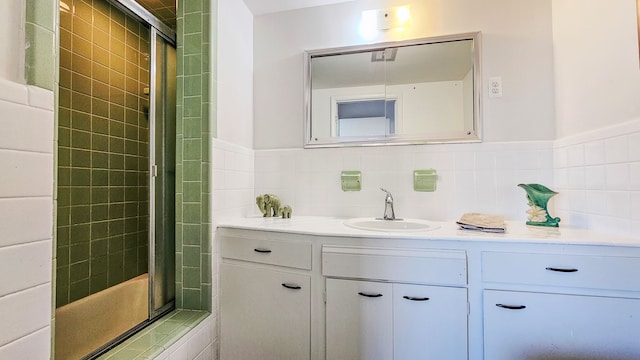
x,y
598,176
471,178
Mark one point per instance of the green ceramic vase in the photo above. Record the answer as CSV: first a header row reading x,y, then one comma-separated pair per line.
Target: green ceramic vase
x,y
538,197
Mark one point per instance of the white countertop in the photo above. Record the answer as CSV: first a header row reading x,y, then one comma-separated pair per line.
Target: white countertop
x,y
515,231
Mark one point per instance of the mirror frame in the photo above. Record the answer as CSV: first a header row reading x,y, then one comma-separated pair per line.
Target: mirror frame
x,y
404,139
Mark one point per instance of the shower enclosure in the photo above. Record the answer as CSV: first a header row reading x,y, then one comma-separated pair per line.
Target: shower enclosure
x,y
116,174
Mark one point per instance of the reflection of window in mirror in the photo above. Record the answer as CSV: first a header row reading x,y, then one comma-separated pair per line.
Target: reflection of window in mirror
x,y
370,117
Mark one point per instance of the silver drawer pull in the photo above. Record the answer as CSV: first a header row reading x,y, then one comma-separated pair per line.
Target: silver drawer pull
x,y
369,295
262,251
566,270
412,298
511,307
292,286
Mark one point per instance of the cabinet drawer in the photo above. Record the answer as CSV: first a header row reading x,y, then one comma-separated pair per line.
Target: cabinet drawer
x,y
581,271
294,254
446,267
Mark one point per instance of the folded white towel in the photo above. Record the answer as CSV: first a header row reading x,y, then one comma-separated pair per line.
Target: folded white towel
x,y
482,222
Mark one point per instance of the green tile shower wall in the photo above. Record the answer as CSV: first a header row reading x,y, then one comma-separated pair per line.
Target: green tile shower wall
x,y
40,53
103,149
194,130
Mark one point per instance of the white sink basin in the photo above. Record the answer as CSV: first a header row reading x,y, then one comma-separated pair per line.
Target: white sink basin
x,y
401,225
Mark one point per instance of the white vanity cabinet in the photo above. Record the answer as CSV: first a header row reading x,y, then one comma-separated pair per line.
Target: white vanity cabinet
x,y
380,317
265,299
551,306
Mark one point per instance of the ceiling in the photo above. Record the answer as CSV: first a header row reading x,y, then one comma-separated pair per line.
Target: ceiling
x,y
260,7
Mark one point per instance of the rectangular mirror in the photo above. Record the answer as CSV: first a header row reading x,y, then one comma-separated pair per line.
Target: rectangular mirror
x,y
410,92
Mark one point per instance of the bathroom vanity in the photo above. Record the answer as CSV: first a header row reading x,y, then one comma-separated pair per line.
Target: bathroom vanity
x,y
313,288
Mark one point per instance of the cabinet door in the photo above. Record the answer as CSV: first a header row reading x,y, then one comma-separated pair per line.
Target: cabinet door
x,y
264,314
358,320
429,322
521,325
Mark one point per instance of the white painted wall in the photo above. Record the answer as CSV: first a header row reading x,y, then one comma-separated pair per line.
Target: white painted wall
x,y
597,74
597,154
235,73
12,41
517,45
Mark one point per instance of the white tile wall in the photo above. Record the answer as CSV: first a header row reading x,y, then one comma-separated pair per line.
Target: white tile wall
x,y
26,220
233,195
598,176
472,177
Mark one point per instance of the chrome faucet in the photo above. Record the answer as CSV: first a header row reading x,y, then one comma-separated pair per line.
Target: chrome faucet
x,y
389,214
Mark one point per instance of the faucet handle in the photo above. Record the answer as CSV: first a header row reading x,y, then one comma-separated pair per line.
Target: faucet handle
x,y
385,191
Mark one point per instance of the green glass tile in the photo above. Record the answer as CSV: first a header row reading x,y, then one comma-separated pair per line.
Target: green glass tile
x,y
116,211
192,107
116,194
62,256
192,6
193,23
79,271
191,234
206,270
98,282
63,220
130,179
80,64
99,160
62,235
80,121
81,46
117,48
116,94
78,195
116,269
131,131
99,247
100,125
130,263
100,90
192,85
64,117
131,194
65,78
99,264
131,116
192,128
130,147
65,20
116,178
99,212
80,158
116,162
191,213
126,354
78,290
80,177
80,214
192,172
191,256
116,112
131,54
79,233
80,102
191,299
131,101
82,28
64,98
64,176
100,72
65,47
83,10
205,297
100,108
99,143
193,44
116,145
130,238
40,70
79,253
100,195
116,229
64,156
100,20
192,65
191,191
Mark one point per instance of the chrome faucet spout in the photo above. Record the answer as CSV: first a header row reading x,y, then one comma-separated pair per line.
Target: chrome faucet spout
x,y
389,214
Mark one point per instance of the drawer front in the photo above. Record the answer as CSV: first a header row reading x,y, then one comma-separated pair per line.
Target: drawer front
x,y
582,271
282,253
418,266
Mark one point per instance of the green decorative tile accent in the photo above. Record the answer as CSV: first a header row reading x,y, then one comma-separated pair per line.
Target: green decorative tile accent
x,y
425,180
40,23
351,180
